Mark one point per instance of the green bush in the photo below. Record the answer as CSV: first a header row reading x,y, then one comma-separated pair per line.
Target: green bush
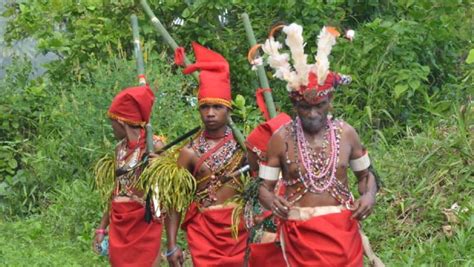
x,y
406,60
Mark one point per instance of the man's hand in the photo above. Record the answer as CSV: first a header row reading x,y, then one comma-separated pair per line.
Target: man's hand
x,y
280,207
96,244
364,206
153,155
176,259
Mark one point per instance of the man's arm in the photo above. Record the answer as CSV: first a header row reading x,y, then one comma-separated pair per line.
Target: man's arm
x,y
367,184
99,235
173,218
269,172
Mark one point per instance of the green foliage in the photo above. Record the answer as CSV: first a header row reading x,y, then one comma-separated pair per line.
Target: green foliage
x,y
401,59
59,236
245,115
423,177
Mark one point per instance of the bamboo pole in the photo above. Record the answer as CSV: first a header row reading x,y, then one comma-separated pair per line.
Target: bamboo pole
x,y
141,76
171,42
138,50
163,32
262,77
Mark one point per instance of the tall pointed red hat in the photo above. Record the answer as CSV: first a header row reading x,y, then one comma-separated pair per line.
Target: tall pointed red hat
x,y
133,105
214,78
257,140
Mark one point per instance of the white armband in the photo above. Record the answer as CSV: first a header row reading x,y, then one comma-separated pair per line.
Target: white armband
x,y
361,163
268,173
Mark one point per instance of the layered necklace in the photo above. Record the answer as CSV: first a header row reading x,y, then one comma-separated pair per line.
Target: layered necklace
x,y
219,158
320,167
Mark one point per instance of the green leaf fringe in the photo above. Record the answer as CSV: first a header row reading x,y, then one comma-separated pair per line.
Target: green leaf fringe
x,y
104,172
174,186
240,200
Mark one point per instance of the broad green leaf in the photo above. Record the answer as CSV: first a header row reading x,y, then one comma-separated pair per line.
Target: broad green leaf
x,y
12,163
414,84
399,90
470,57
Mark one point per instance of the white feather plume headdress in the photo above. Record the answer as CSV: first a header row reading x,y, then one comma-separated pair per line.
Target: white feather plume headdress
x,y
297,72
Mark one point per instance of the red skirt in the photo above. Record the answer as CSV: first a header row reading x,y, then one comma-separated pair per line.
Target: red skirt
x,y
133,242
326,240
210,240
266,254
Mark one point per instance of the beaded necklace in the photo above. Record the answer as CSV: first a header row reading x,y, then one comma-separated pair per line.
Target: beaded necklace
x,y
320,169
127,162
220,157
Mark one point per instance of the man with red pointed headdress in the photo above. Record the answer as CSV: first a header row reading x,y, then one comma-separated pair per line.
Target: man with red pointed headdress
x,y
213,157
263,249
133,241
319,218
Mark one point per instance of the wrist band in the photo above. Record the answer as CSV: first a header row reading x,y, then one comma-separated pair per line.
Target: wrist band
x,y
171,252
101,231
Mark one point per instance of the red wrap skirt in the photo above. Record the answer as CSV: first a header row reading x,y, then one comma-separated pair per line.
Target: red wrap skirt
x,y
325,240
210,240
266,254
132,241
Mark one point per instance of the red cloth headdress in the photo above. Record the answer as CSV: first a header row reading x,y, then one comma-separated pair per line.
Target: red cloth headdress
x,y
214,78
257,140
314,92
133,105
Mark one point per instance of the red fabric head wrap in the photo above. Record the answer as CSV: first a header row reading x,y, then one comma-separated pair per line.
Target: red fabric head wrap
x,y
314,92
257,140
133,105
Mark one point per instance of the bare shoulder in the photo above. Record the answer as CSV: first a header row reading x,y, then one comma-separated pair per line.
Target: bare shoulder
x,y
281,134
352,137
348,132
278,139
186,155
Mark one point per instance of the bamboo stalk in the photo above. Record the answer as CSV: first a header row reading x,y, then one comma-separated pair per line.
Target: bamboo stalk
x,y
141,76
138,50
171,42
262,77
163,32
237,134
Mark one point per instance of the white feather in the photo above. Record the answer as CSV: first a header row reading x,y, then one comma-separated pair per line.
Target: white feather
x,y
279,62
294,40
325,43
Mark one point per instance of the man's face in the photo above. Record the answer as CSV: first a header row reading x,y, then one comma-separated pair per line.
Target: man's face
x,y
214,116
119,129
313,116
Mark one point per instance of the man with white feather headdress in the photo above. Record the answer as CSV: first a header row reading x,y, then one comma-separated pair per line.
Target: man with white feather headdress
x,y
319,216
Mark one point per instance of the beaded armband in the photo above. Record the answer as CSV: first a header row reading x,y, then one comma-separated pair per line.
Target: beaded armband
x,y
268,173
361,163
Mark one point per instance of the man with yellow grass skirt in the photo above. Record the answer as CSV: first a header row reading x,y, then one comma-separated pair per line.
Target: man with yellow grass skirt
x,y
213,157
318,216
132,240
